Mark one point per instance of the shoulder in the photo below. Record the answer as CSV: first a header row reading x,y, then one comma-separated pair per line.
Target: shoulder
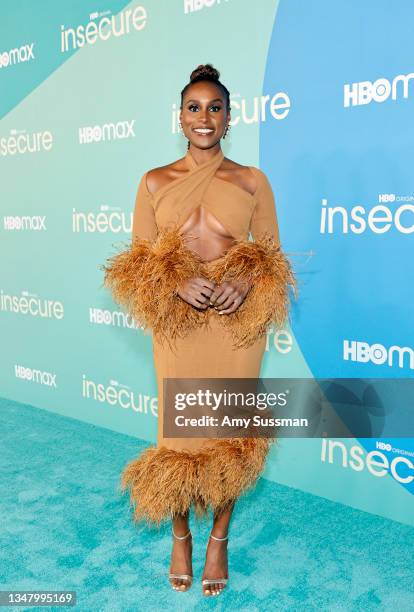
x,y
259,174
248,178
262,181
161,175
255,180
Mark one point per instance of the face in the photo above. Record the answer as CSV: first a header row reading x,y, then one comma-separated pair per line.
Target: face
x,y
204,109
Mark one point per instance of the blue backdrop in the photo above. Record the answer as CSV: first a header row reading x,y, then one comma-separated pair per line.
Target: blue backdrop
x,y
321,101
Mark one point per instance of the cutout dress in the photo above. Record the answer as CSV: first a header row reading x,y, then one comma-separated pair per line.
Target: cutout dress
x,y
168,478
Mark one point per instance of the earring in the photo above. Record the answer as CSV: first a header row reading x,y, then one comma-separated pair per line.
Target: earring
x,y
228,126
182,132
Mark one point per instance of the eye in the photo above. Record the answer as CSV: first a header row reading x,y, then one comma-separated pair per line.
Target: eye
x,y
214,106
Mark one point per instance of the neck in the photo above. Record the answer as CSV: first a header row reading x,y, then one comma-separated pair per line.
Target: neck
x,y
201,156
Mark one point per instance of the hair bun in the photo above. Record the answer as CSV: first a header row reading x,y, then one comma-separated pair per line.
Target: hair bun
x,y
205,71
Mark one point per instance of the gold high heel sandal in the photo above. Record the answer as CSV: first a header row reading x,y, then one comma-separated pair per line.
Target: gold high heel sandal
x,y
209,581
186,577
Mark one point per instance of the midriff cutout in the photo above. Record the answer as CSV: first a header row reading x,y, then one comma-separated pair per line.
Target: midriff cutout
x,y
206,235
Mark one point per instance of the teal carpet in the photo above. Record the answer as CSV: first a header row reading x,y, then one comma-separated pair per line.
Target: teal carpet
x,y
65,527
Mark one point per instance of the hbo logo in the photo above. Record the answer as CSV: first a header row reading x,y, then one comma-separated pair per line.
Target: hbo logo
x,y
196,5
383,446
386,197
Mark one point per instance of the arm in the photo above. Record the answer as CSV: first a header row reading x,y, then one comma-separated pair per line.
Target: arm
x,y
145,276
264,218
144,224
264,266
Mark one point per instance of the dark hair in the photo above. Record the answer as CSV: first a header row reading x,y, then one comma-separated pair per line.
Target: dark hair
x,y
207,72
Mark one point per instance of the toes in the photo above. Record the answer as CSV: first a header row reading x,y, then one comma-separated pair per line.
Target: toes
x,y
213,589
180,585
216,588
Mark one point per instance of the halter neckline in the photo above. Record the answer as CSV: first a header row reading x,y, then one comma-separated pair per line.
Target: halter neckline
x,y
193,165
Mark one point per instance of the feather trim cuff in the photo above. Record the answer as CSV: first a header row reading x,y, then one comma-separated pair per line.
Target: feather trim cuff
x,y
264,265
144,279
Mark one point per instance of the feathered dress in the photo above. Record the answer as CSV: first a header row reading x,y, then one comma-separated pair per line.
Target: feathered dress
x,y
176,473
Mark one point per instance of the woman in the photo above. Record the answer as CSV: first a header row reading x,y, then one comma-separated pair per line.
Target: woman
x,y
208,295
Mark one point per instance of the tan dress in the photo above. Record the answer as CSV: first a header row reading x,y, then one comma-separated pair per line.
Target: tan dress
x,y
191,343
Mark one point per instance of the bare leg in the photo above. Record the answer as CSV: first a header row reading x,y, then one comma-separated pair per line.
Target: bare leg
x,y
181,553
216,565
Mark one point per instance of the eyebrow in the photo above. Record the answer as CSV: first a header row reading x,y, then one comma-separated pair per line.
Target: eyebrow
x,y
214,100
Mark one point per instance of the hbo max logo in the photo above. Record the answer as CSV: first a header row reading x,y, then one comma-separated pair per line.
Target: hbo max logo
x,y
365,92
108,131
196,5
15,56
378,354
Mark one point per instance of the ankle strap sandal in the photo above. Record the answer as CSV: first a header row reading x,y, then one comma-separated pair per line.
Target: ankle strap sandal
x,y
209,581
185,577
219,539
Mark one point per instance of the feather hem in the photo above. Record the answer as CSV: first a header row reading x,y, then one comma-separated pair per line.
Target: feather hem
x,y
165,482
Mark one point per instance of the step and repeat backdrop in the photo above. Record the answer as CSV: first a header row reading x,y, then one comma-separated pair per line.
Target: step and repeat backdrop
x,y
322,96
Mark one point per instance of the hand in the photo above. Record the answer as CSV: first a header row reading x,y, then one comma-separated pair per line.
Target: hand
x,y
197,291
228,296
